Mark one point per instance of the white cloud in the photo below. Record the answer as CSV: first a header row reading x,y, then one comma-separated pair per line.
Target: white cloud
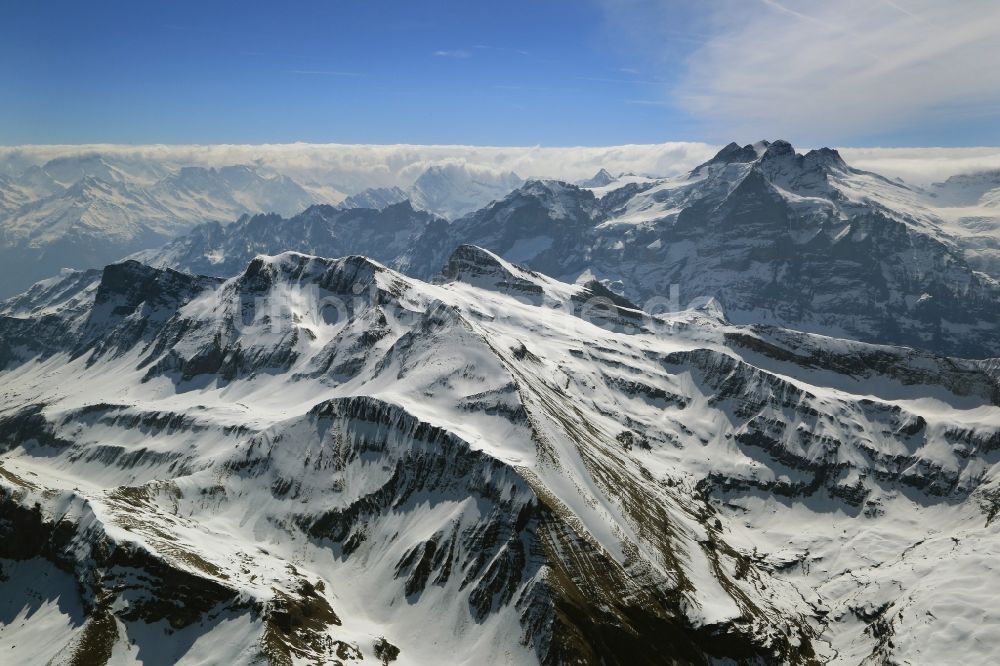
x,y
847,68
829,71
354,167
922,165
457,53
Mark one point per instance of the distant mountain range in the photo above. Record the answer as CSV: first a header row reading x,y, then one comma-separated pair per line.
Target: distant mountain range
x,y
216,249
86,212
90,210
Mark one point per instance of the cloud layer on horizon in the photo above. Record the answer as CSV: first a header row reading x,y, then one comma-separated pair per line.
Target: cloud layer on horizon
x,y
922,166
354,167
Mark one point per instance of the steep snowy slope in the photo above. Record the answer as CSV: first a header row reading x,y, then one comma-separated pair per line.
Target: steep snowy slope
x,y
321,460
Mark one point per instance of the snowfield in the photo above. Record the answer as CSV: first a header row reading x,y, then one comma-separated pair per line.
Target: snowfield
x,y
326,461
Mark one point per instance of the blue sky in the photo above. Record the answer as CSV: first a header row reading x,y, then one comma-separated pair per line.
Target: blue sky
x,y
543,71
549,72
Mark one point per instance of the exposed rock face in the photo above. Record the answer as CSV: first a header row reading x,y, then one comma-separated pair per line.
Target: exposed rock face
x,y
224,250
325,461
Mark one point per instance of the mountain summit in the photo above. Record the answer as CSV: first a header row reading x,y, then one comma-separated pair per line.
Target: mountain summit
x,y
600,179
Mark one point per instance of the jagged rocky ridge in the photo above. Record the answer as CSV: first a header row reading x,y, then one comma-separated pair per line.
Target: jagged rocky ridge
x,y
320,460
801,241
223,250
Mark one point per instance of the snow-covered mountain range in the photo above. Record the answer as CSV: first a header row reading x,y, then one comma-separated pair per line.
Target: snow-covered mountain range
x,y
969,189
777,237
374,197
86,211
602,178
326,461
746,414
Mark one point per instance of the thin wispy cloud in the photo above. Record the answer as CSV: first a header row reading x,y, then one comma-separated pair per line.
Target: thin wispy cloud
x,y
899,8
456,53
830,72
778,7
323,72
487,47
602,79
526,88
648,102
291,55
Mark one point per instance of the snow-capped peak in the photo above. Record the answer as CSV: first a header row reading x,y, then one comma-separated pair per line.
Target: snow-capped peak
x,y
776,151
733,153
602,178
